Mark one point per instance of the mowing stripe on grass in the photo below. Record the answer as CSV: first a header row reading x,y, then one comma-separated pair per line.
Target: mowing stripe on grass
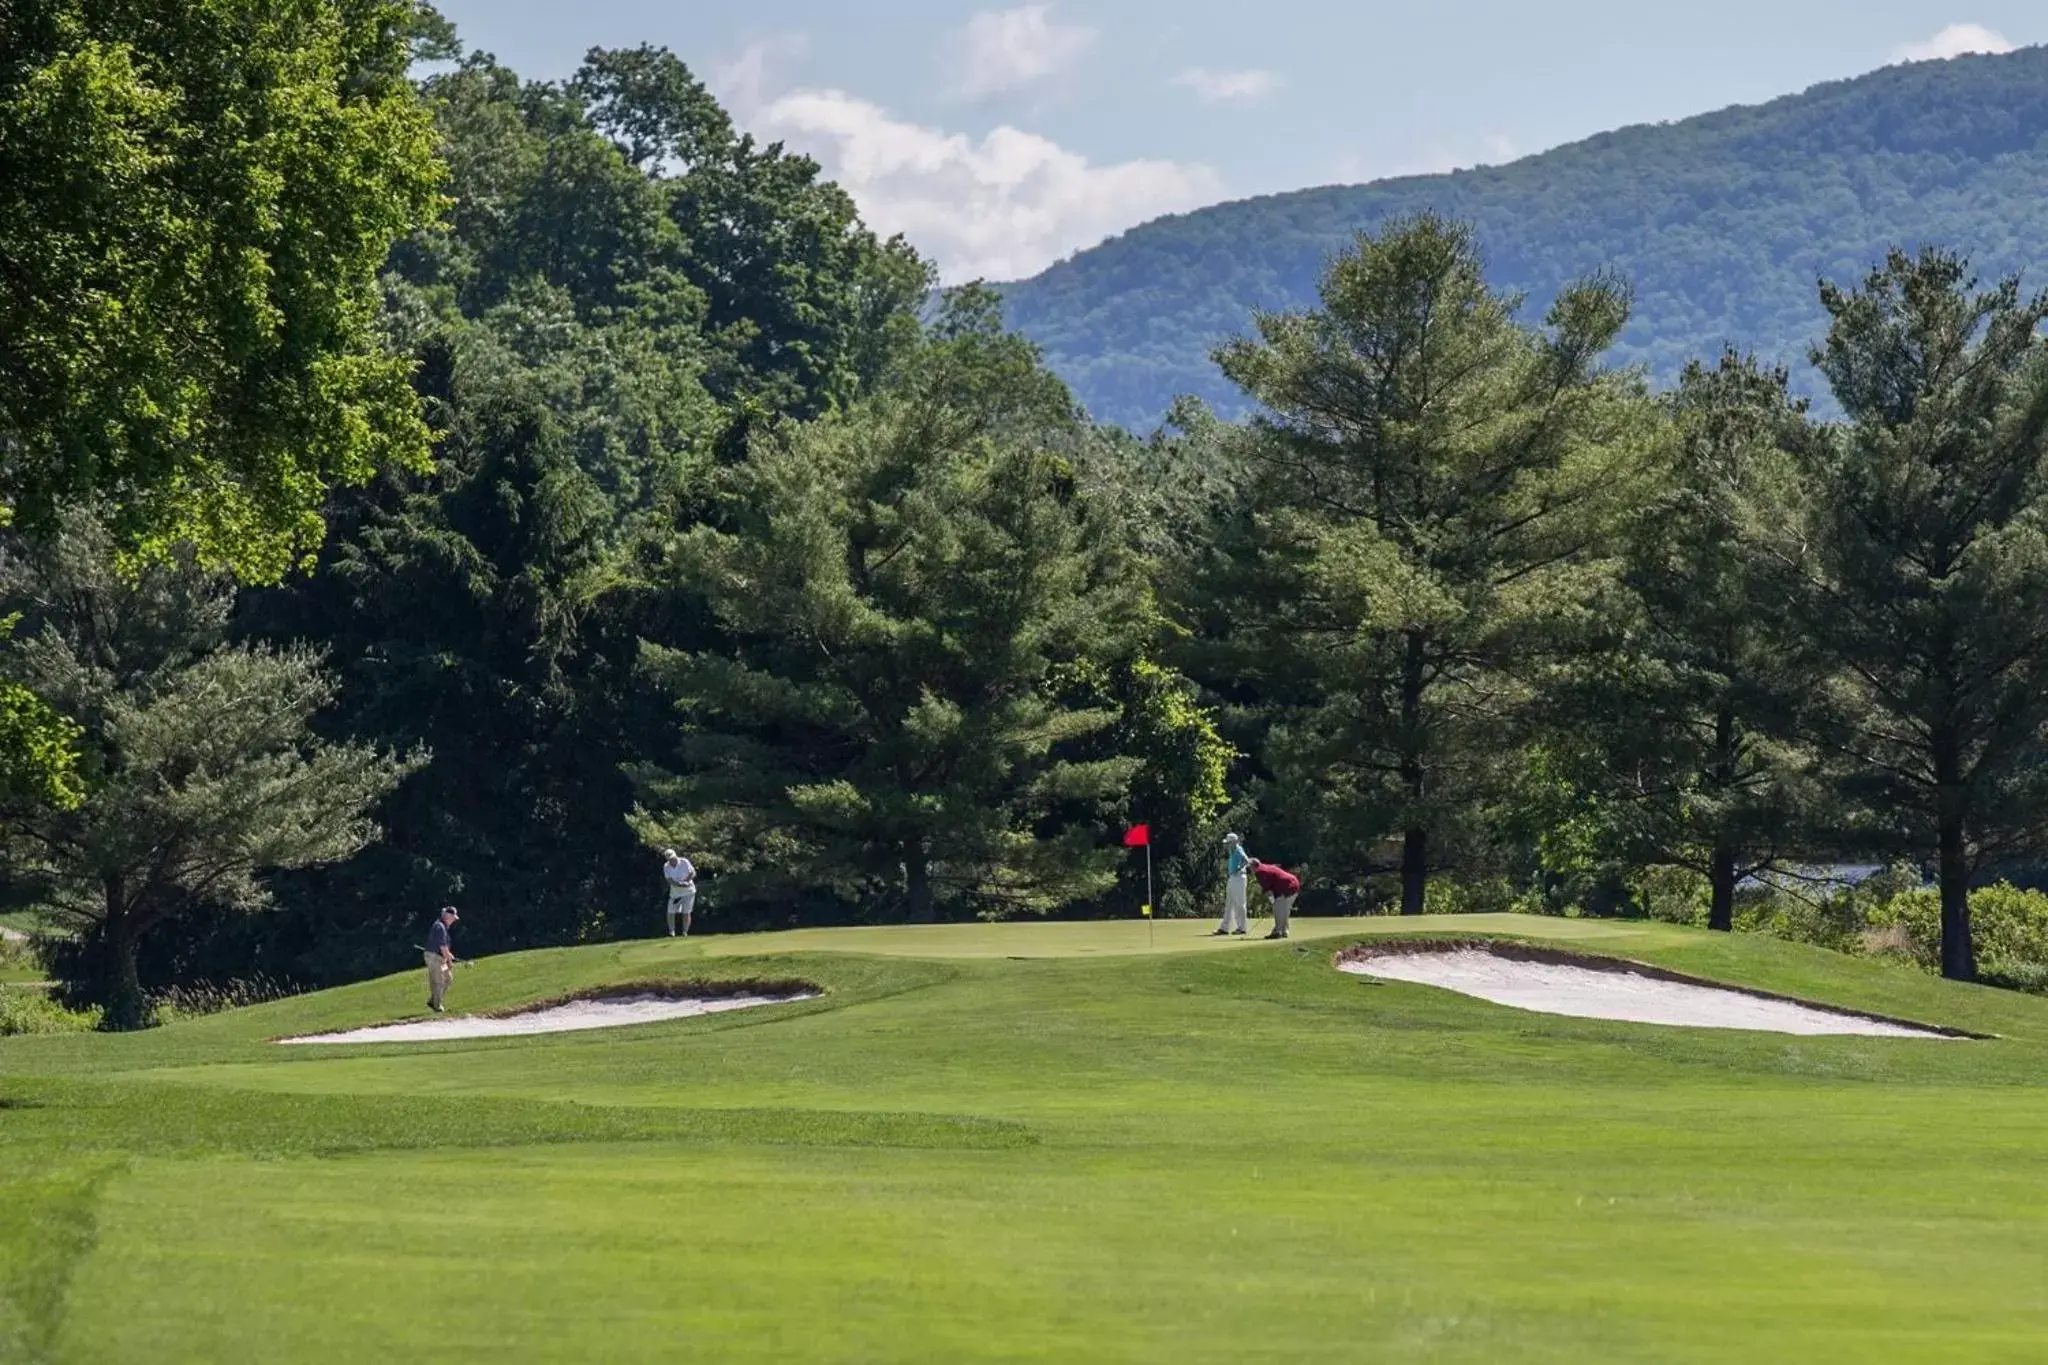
x,y
130,1117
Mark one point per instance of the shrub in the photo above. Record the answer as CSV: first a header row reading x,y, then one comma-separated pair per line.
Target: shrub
x,y
2010,927
1837,921
16,952
25,1009
1484,896
2031,977
1672,895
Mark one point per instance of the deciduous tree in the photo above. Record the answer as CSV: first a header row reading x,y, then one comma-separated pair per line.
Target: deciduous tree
x,y
195,198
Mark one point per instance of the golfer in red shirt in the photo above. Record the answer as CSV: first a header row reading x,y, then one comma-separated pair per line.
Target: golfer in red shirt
x,y
1283,886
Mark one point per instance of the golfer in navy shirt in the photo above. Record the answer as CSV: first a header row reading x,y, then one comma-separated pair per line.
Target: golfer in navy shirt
x,y
440,957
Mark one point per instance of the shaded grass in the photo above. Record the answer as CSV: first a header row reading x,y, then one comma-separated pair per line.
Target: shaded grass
x,y
48,1203
135,1119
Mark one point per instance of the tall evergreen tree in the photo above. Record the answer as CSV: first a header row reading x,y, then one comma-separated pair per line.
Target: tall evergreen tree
x,y
1432,476
1925,544
898,585
1682,718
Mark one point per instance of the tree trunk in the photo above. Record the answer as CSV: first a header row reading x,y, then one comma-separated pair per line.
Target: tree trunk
x,y
1414,871
1958,953
126,1006
1727,769
1415,845
1721,876
917,870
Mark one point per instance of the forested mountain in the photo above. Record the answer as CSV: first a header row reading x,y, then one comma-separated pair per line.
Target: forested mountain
x,y
1724,224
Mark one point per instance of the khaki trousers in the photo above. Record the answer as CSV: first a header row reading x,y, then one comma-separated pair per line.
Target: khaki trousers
x,y
438,971
1283,906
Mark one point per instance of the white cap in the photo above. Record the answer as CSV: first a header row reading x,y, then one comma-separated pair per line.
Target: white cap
x,y
668,853
1232,839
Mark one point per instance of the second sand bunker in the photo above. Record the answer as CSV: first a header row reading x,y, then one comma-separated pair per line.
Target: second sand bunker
x,y
1614,992
572,1016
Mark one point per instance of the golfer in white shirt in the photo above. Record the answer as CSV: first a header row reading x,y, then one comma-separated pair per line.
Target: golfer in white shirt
x,y
682,889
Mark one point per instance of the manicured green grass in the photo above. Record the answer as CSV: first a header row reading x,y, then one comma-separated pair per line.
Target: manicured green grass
x,y
1040,1143
1089,938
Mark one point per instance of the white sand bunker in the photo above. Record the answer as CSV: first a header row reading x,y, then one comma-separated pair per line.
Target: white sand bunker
x,y
1607,989
612,1011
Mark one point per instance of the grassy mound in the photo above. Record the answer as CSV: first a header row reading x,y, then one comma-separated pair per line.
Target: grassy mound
x,y
1039,1142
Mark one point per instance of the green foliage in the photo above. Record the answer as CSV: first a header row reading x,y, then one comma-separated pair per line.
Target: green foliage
x,y
26,1009
1434,481
1837,919
1180,787
194,202
1474,896
1893,914
200,770
1679,710
38,748
1921,539
897,584
586,351
2009,926
805,307
1723,221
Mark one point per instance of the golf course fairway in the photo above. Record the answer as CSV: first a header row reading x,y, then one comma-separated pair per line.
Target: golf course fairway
x,y
1041,1142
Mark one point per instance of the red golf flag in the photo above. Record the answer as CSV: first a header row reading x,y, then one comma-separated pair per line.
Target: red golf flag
x,y
1138,836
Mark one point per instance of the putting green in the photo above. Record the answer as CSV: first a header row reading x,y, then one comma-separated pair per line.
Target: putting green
x,y
1108,938
1218,1151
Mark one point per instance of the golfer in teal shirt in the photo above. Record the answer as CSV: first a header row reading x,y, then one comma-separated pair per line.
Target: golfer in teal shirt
x,y
1236,866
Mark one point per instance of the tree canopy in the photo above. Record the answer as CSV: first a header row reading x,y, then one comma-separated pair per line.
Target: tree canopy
x,y
1434,475
899,586
195,199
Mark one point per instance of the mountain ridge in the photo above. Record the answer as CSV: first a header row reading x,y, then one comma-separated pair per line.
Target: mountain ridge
x,y
1724,222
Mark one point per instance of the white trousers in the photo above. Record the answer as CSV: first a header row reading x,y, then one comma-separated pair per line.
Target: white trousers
x,y
1233,905
681,901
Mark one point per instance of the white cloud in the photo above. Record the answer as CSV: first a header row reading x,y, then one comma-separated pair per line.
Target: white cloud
x,y
1954,41
1001,207
1006,50
743,84
1219,87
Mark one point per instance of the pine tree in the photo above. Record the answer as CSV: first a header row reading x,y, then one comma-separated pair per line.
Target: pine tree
x,y
1681,719
1924,542
898,585
1432,476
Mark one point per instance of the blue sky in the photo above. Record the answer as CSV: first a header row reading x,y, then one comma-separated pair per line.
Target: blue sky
x,y
1002,137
